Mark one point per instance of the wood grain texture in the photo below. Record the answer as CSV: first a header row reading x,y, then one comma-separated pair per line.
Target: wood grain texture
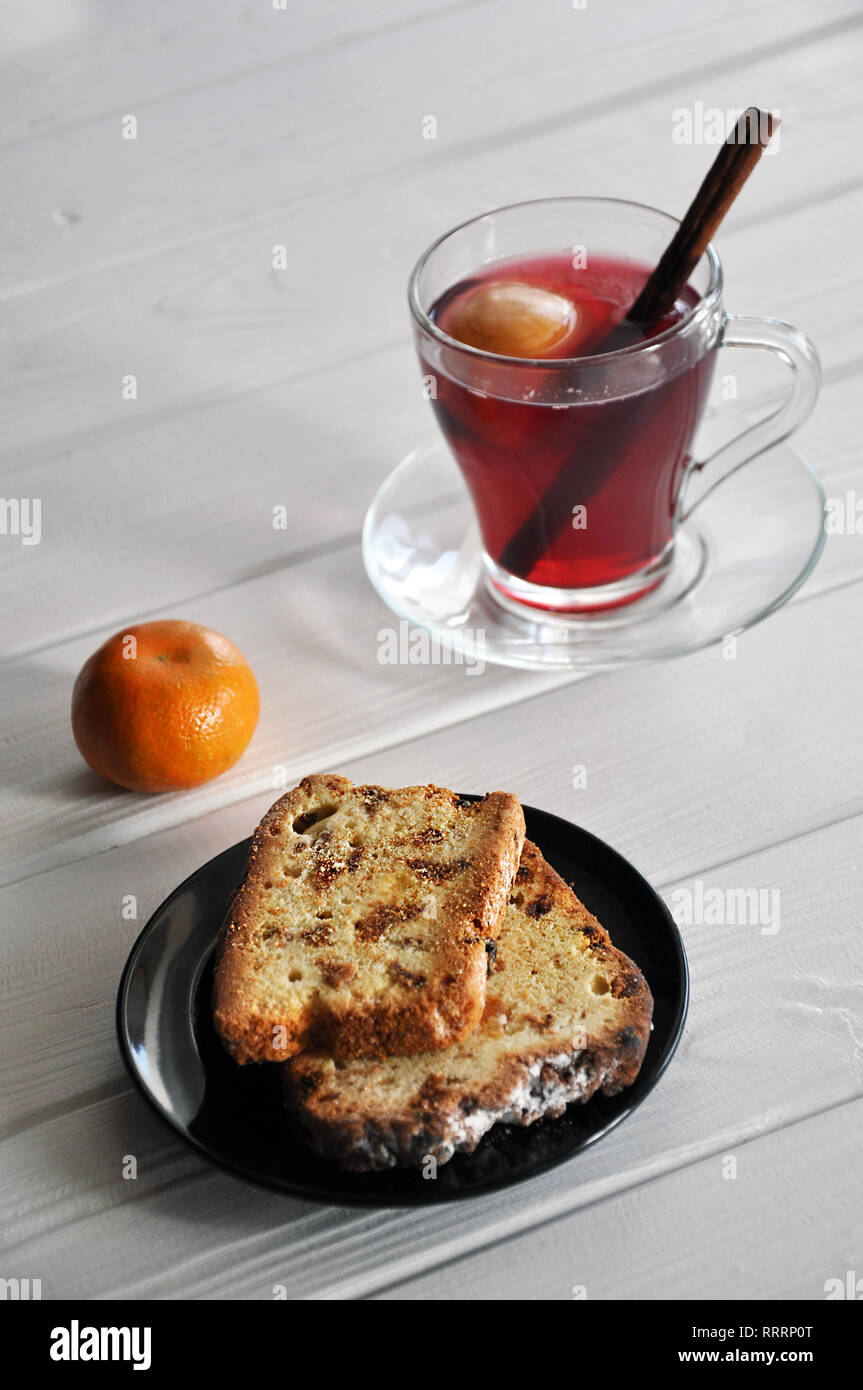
x,y
260,387
139,54
352,113
203,322
323,621
629,1247
197,1233
313,643
179,505
720,740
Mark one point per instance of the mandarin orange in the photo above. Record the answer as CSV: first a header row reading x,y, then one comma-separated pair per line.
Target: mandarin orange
x,y
166,705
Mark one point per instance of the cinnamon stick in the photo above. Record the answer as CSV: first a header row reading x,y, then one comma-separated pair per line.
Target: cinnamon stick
x,y
734,163
737,158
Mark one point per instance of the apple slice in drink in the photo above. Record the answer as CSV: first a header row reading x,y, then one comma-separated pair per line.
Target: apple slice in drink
x,y
511,318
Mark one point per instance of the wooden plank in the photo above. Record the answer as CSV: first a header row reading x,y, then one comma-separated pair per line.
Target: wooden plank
x,y
195,478
74,63
733,777
185,1231
184,507
313,639
352,113
688,763
167,274
200,324
768,1231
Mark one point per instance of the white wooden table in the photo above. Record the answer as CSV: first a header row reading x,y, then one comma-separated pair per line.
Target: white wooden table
x,y
152,258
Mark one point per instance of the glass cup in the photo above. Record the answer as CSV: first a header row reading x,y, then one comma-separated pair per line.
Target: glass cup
x,y
580,469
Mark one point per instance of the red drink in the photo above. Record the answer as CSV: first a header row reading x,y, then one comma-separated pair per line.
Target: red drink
x,y
572,491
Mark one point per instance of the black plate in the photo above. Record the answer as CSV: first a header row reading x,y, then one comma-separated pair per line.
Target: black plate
x,y
234,1115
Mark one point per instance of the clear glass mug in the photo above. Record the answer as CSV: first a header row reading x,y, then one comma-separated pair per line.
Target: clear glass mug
x,y
580,469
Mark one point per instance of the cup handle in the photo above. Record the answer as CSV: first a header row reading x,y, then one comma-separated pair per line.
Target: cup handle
x,y
798,353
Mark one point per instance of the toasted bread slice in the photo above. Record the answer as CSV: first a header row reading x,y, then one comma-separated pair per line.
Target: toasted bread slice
x,y
566,1015
362,921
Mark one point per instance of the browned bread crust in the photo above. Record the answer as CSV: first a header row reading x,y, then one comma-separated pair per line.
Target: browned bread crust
x,y
361,923
567,1014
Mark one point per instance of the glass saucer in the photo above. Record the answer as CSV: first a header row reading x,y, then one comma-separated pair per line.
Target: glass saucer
x,y
745,548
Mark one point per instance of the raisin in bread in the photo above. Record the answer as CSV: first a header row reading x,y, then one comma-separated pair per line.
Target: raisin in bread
x,y
361,924
566,1015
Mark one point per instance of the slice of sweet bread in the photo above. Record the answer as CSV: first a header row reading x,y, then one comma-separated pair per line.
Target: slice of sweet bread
x,y
566,1015
361,924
